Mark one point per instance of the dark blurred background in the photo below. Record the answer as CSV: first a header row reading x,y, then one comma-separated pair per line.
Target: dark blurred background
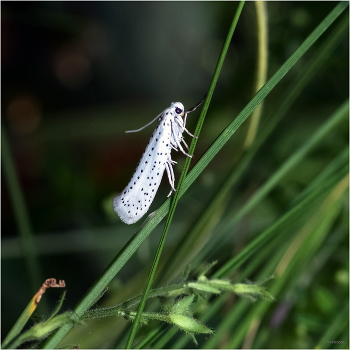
x,y
76,75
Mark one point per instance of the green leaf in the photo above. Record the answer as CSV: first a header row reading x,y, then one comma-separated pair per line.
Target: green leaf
x,y
59,305
182,306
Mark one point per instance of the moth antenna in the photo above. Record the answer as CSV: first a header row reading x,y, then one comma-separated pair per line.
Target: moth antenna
x,y
192,110
145,126
196,106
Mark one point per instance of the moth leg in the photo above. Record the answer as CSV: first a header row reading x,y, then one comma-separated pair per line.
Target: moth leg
x,y
181,149
171,176
183,140
175,137
185,117
183,126
170,172
190,133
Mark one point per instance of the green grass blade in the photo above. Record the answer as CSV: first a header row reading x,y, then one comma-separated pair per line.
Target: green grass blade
x,y
291,162
299,262
194,240
287,219
336,166
262,64
258,98
313,234
279,234
183,175
21,215
152,336
19,325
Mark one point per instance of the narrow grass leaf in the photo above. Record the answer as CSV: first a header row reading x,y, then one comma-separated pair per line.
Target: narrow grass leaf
x,y
21,214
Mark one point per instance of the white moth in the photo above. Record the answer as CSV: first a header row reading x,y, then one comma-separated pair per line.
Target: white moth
x,y
136,198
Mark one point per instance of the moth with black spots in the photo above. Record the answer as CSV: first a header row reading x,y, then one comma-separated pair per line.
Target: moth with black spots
x,y
133,203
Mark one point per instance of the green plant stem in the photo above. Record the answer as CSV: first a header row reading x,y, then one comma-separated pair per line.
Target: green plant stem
x,y
114,310
183,174
261,71
21,215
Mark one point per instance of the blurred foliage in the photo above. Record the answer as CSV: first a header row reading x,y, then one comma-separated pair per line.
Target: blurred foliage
x,y
76,75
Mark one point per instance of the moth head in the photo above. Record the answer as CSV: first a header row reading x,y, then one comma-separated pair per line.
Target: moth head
x,y
178,108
